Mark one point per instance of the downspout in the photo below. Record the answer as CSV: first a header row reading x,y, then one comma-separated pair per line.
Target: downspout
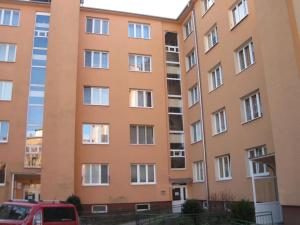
x,y
201,106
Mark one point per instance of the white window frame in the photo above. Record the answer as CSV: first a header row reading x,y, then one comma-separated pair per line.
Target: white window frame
x,y
5,170
213,79
142,210
242,50
196,131
91,127
7,46
198,171
211,38
188,27
11,17
194,95
220,176
6,86
207,4
142,30
250,163
100,95
100,59
138,127
190,60
90,167
101,21
134,93
258,104
147,174
143,69
1,121
218,123
238,17
99,212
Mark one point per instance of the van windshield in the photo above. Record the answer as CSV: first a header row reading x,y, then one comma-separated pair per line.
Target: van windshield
x,y
13,212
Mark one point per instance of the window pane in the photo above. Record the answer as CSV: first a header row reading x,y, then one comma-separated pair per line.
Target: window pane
x,y
6,17
105,60
133,134
254,106
88,59
134,173
38,75
247,54
221,171
105,96
132,63
175,122
96,60
105,28
87,95
241,59
3,131
177,162
140,98
95,174
3,52
89,25
142,134
149,135
143,173
104,174
146,32
151,177
248,109
2,173
227,166
15,19
5,91
131,30
174,87
139,65
96,26
35,115
87,174
86,133
104,133
138,31
11,53
149,99
147,64
96,96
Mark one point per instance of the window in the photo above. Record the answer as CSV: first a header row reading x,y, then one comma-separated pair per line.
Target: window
x,y
177,152
239,11
223,167
2,173
142,207
96,96
141,134
59,215
140,98
207,4
136,30
143,174
141,63
198,171
245,56
188,27
194,95
190,60
259,169
7,52
219,121
97,26
211,38
99,208
95,134
4,127
9,17
33,156
215,78
95,174
251,106
96,59
5,90
196,132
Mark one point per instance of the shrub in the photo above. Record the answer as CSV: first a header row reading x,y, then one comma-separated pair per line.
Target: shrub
x,y
243,210
192,206
75,200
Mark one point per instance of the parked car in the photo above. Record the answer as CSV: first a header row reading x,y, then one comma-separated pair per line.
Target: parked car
x,y
38,213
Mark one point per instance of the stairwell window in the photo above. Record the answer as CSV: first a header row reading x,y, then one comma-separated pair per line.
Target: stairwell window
x,y
137,30
188,28
9,17
259,169
140,63
96,59
198,171
141,134
190,60
196,132
8,52
140,98
194,95
215,78
5,90
96,96
251,107
223,167
239,11
95,134
245,56
211,38
2,174
95,174
143,174
219,122
4,129
97,26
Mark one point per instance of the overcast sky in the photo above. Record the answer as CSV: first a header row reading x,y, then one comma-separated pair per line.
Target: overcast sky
x,y
162,8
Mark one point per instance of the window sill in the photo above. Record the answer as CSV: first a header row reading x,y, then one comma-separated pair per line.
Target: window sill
x,y
196,142
249,121
189,69
95,68
205,12
191,106
95,143
146,39
259,175
11,62
96,34
95,185
3,142
213,90
199,182
138,71
210,49
186,37
96,105
217,134
141,184
138,107
235,25
150,145
2,185
241,71
178,169
224,179
12,26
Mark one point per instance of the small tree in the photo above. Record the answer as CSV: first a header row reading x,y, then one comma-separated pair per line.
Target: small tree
x,y
75,200
243,210
192,206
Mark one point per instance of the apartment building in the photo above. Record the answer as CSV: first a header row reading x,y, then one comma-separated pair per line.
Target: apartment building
x,y
136,112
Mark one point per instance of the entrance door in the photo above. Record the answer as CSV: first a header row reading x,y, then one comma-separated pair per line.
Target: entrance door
x,y
179,194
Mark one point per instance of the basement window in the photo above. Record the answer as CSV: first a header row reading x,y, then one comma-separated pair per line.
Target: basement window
x,y
99,209
142,207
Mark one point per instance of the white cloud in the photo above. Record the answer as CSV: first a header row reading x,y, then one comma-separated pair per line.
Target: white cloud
x,y
162,8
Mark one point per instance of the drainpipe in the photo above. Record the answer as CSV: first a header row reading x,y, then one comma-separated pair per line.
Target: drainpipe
x,y
201,105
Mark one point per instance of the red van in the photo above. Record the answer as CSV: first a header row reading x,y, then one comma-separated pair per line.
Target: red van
x,y
40,213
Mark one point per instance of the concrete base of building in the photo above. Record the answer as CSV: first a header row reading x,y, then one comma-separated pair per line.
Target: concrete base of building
x,y
291,215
